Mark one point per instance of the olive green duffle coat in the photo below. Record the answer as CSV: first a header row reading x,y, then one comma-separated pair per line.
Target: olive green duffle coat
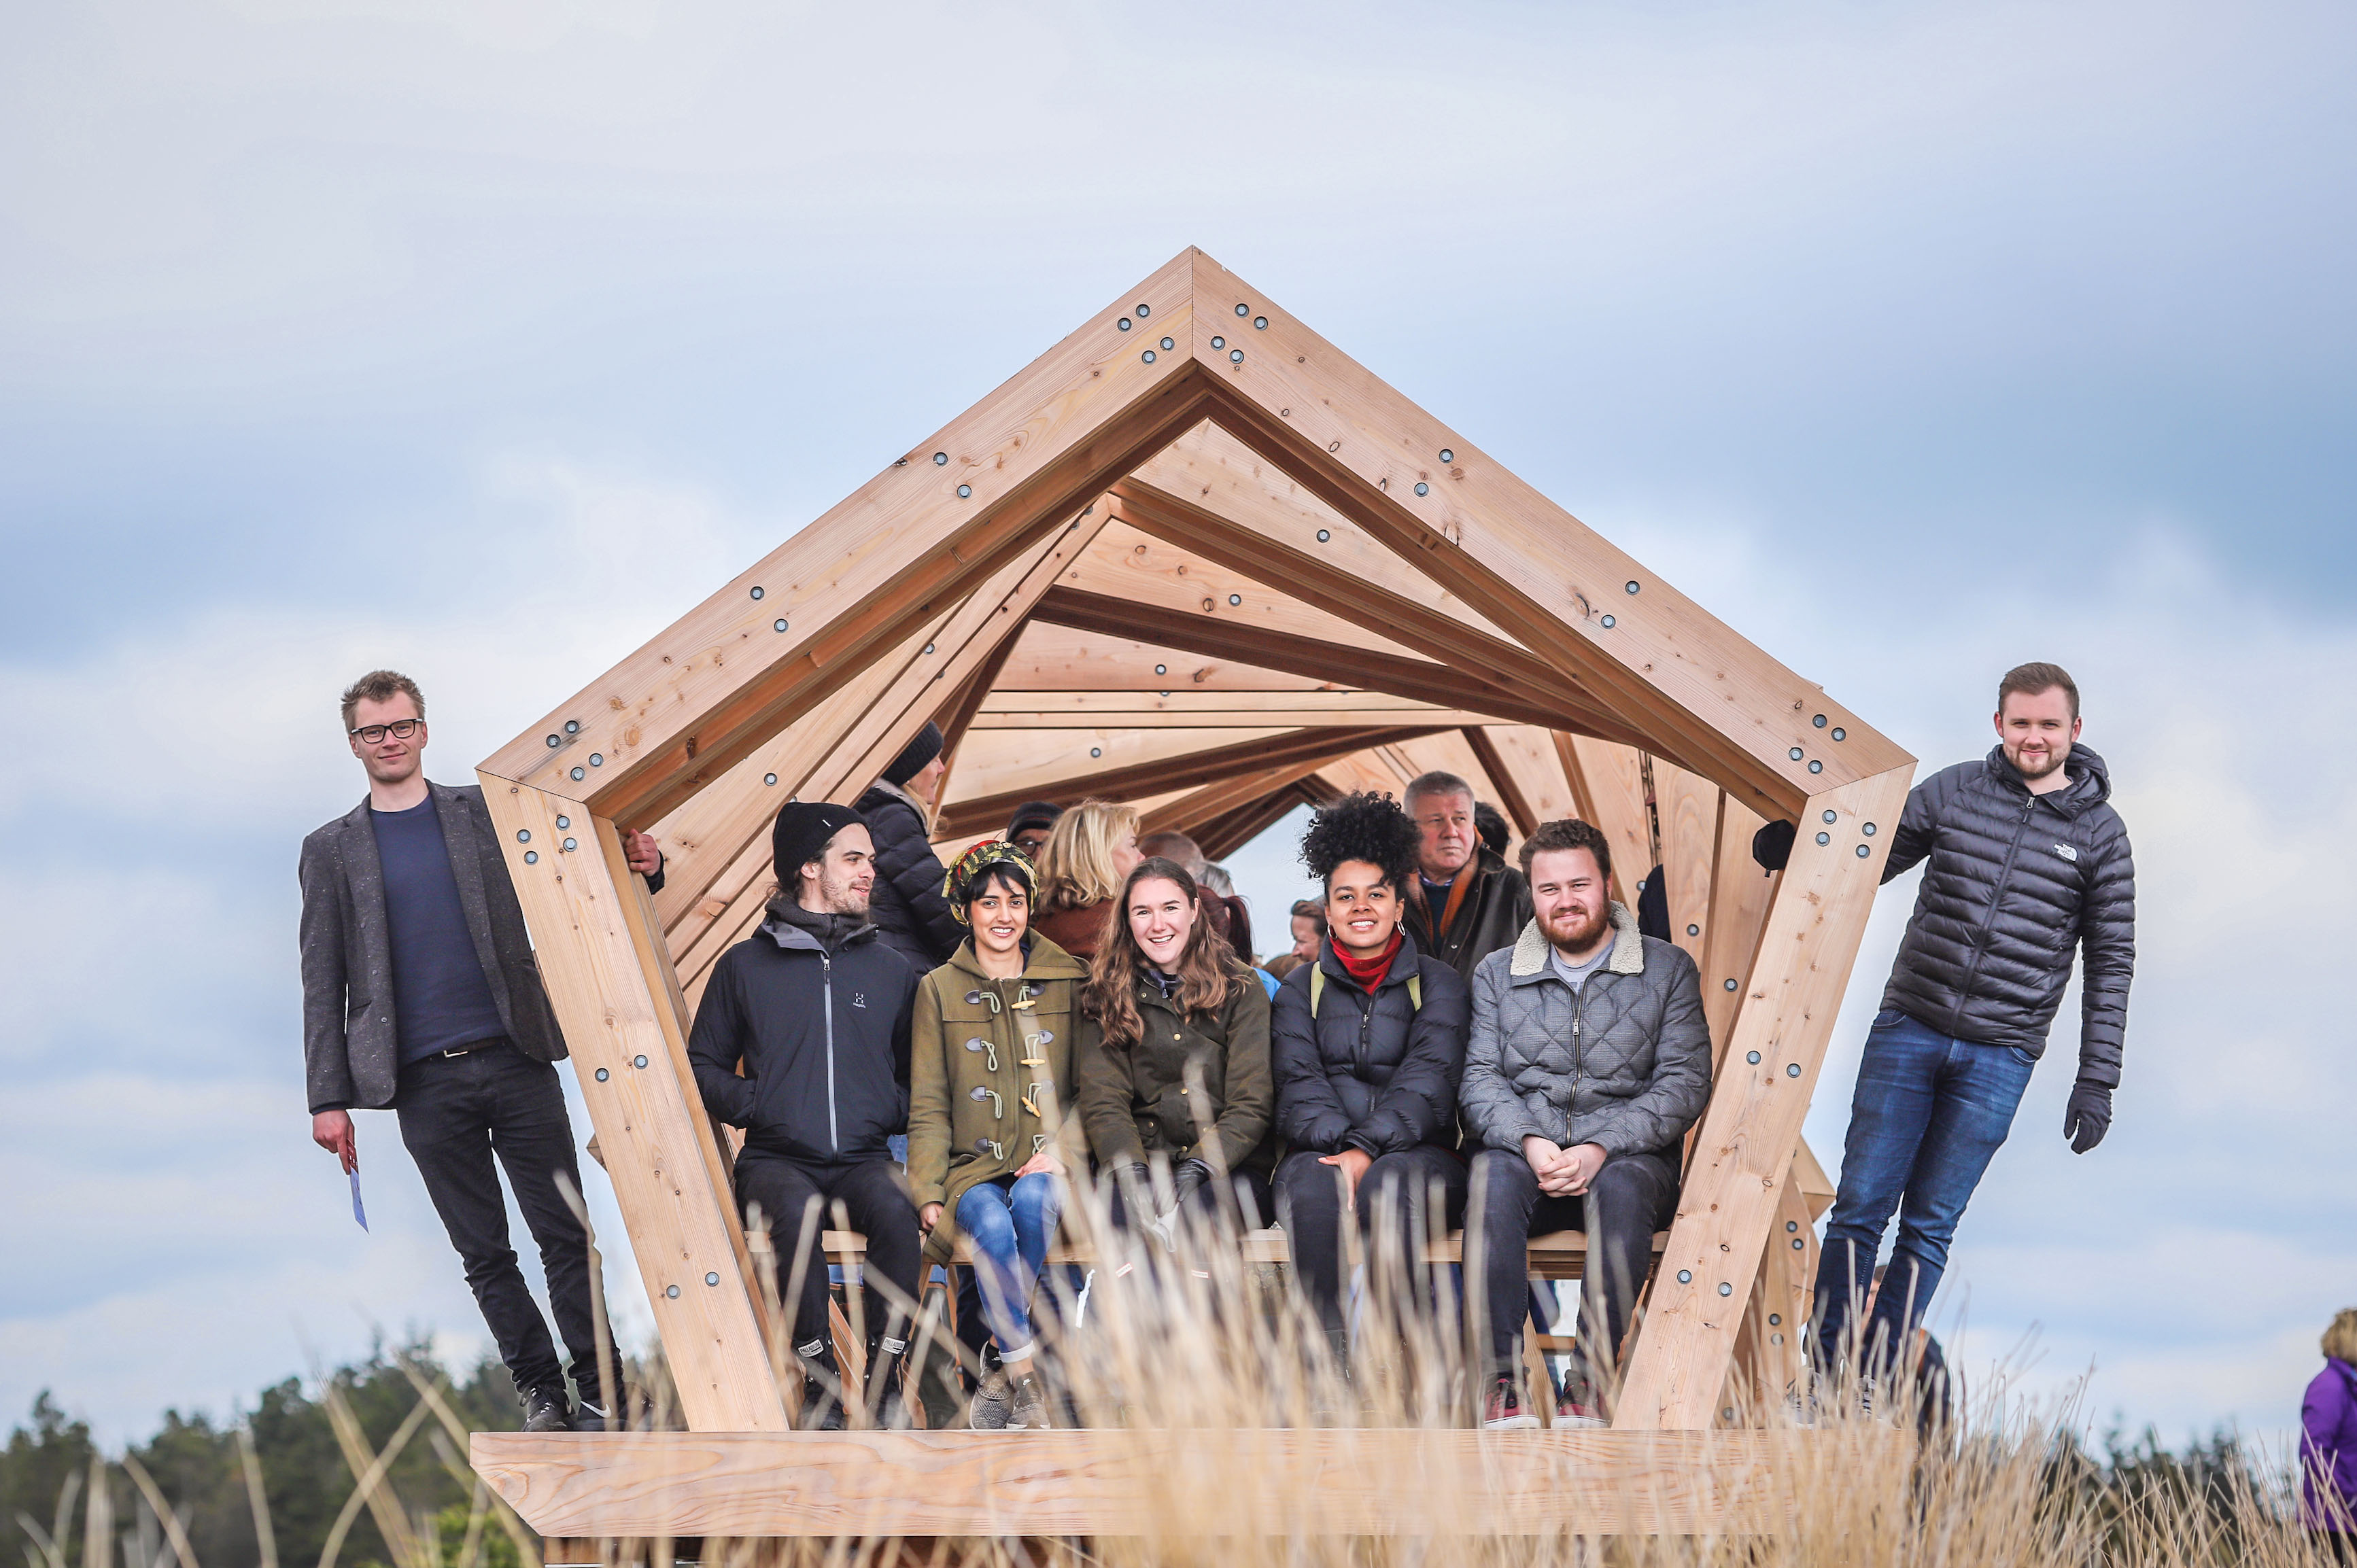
x,y
990,1077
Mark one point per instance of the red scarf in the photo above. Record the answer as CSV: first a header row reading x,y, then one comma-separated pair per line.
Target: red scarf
x,y
1367,971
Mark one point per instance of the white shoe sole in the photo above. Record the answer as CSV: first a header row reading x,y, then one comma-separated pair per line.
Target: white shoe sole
x,y
1512,1424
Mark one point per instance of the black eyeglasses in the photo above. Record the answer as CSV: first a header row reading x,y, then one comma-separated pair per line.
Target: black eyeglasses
x,y
399,729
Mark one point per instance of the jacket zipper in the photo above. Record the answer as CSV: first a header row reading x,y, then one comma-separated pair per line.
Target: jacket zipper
x,y
1980,947
1578,1055
826,971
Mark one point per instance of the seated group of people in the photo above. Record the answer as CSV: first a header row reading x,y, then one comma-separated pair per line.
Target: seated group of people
x,y
1486,1041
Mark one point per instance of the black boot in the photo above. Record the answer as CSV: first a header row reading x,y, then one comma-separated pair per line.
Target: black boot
x,y
821,1407
887,1406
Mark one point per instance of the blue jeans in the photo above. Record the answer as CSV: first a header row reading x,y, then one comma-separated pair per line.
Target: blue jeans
x,y
1010,1228
1928,1113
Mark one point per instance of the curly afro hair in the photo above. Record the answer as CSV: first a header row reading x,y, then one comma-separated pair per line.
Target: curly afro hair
x,y
1366,827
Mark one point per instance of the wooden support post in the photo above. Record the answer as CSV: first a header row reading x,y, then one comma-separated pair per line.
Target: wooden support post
x,y
1772,1351
1609,783
1743,1155
605,968
1688,807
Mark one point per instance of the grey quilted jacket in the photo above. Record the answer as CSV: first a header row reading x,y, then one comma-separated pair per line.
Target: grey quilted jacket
x,y
2017,884
1623,1063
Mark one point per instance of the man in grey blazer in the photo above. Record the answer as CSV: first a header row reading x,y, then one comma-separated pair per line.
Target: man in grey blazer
x,y
421,995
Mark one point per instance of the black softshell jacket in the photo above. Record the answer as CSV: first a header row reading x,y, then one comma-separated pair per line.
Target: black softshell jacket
x,y
909,910
1374,1072
2014,885
824,1037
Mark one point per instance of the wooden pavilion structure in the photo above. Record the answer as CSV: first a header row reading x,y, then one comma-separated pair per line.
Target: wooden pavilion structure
x,y
1197,558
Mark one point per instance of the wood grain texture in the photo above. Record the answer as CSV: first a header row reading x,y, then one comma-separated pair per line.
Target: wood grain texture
x,y
1147,1483
1688,808
620,1020
1743,1149
1741,893
1610,783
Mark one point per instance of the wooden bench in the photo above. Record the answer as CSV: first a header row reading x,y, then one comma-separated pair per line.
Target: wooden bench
x,y
1557,1255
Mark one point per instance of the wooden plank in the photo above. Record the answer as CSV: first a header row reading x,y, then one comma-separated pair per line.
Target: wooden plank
x,y
1344,665
1185,768
901,549
1252,1482
1713,701
1815,1185
1741,893
1395,713
1609,783
1223,835
1688,808
1051,657
1771,1350
1122,703
1743,1151
1526,754
601,958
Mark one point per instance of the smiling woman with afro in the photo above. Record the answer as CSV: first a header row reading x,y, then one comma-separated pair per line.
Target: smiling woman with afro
x,y
1368,1040
1364,827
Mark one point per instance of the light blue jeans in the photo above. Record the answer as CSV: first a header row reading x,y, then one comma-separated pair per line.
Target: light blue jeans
x,y
1010,1228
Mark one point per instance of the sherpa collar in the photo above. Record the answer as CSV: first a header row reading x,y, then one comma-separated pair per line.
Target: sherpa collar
x,y
1529,963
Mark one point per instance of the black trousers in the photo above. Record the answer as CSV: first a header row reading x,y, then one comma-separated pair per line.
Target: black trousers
x,y
874,1201
460,1113
1392,1202
1633,1196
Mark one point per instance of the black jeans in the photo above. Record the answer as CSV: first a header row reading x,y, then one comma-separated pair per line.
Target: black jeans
x,y
1633,1196
1395,1194
875,1204
457,1113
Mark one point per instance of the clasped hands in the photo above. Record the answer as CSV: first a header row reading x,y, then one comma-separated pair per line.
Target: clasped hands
x,y
1043,1160
1563,1173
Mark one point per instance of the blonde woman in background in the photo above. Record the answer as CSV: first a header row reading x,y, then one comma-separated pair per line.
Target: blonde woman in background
x,y
2328,1418
1086,861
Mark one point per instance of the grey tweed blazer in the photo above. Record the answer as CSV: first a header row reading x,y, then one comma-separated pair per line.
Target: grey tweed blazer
x,y
351,1048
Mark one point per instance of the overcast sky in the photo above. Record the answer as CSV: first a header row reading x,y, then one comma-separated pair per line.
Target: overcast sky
x,y
481,340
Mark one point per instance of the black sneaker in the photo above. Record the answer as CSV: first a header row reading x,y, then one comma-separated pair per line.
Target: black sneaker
x,y
590,1416
545,1411
821,1411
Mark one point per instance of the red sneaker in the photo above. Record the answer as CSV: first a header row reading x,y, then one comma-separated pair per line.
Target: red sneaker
x,y
1571,1413
1504,1411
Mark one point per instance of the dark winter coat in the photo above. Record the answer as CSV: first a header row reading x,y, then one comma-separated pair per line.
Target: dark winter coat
x,y
2017,883
908,906
1374,1072
1623,1063
824,1036
1133,1099
351,1044
2328,1450
990,1075
1495,909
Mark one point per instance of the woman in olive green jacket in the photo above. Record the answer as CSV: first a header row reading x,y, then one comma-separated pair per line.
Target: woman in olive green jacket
x,y
1172,1059
991,1037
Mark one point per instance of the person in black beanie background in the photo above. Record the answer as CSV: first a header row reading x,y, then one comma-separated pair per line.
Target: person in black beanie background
x,y
816,1007
909,909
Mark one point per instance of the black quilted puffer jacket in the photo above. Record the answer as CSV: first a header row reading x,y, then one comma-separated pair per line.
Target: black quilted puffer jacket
x,y
1624,1062
1377,1072
910,912
2016,884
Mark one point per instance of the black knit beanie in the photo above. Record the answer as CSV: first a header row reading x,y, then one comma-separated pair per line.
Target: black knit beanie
x,y
801,834
913,758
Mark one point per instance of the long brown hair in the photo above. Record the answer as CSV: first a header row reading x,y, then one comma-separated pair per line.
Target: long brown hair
x,y
1207,966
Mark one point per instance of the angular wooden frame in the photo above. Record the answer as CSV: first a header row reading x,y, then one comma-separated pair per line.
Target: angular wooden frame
x,y
1334,590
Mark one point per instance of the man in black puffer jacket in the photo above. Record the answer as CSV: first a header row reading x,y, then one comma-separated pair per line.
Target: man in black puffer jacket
x,y
909,909
2028,864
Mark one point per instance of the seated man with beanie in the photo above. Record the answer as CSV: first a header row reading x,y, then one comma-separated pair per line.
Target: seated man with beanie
x,y
1589,1059
910,914
816,1007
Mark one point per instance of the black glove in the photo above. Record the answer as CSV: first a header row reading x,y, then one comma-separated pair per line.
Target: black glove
x,y
1772,846
1188,1179
2089,1116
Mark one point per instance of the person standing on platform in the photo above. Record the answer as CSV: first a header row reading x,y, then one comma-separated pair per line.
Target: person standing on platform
x,y
910,914
816,1007
1090,852
2028,864
1368,1042
990,1147
1027,830
1589,1057
1465,902
420,994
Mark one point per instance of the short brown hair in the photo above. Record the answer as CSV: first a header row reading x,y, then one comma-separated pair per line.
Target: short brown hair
x,y
2340,1339
380,686
2031,678
1567,832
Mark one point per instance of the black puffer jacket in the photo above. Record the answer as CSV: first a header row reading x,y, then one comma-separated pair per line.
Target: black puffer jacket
x,y
908,906
1490,916
1374,1073
2016,882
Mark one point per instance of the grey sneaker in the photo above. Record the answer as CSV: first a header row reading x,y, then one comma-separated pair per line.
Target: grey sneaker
x,y
1030,1412
994,1402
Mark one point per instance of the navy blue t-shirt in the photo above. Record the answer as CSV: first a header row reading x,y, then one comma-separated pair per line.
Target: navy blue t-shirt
x,y
440,999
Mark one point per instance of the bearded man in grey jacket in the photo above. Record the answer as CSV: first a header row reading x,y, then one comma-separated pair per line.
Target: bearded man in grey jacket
x,y
1589,1057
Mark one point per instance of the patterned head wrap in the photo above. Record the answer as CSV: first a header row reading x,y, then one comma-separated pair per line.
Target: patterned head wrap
x,y
989,854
